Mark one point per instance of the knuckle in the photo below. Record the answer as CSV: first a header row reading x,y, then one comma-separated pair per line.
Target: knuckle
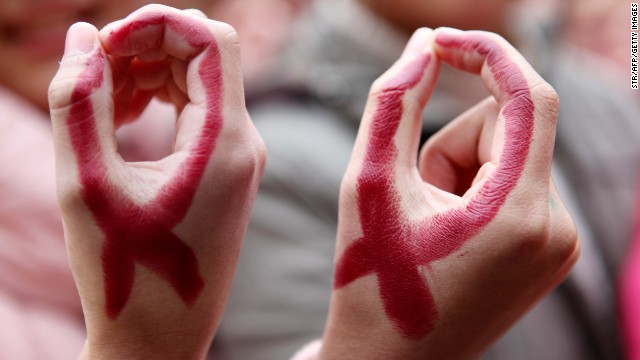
x,y
62,95
231,41
497,38
248,158
62,85
530,241
64,89
59,93
534,230
377,87
428,151
226,34
544,95
491,37
196,12
230,35
380,88
154,8
69,196
348,187
565,240
260,154
546,103
149,8
227,38
530,229
539,231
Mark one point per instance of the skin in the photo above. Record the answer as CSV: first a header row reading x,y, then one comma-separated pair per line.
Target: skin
x,y
388,246
153,245
133,231
407,301
473,287
443,248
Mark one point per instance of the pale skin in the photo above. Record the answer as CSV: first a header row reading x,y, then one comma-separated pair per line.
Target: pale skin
x,y
157,319
479,288
499,271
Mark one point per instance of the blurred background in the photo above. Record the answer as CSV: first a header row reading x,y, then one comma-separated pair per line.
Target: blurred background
x,y
308,65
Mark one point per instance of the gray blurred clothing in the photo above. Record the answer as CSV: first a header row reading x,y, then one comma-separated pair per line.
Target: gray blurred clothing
x,y
308,114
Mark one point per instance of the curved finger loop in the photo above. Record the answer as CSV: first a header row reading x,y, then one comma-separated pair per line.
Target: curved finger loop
x,y
180,34
475,52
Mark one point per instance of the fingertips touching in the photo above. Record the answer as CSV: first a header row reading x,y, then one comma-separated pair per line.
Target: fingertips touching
x,y
196,12
502,68
528,104
187,37
182,34
505,72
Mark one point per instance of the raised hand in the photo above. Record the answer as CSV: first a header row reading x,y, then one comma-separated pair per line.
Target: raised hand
x,y
437,260
153,245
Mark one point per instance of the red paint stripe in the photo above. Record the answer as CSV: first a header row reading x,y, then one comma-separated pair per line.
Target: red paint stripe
x,y
391,245
142,234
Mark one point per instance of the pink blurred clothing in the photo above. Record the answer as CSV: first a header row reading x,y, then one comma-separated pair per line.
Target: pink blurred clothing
x,y
40,311
629,290
39,305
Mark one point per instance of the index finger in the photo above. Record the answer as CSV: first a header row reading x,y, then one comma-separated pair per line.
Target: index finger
x,y
181,34
213,74
185,35
528,105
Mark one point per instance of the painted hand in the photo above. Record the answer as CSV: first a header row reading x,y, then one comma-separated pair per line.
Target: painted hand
x,y
153,245
437,260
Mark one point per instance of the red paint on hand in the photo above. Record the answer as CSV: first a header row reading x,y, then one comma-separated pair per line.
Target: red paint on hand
x,y
143,234
391,246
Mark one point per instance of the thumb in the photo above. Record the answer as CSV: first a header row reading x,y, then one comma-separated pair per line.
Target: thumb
x,y
81,105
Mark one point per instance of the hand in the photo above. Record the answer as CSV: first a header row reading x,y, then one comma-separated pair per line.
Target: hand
x,y
153,245
438,260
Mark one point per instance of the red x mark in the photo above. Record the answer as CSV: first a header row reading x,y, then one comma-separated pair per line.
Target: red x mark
x,y
135,233
393,247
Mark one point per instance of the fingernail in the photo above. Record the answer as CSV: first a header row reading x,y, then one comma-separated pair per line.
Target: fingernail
x,y
417,43
446,35
110,27
450,30
80,39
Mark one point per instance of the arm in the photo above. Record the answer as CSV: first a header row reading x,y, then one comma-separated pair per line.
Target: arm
x,y
438,260
153,245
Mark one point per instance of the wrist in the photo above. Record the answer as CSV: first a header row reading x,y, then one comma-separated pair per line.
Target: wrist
x,y
158,345
346,345
142,331
357,329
